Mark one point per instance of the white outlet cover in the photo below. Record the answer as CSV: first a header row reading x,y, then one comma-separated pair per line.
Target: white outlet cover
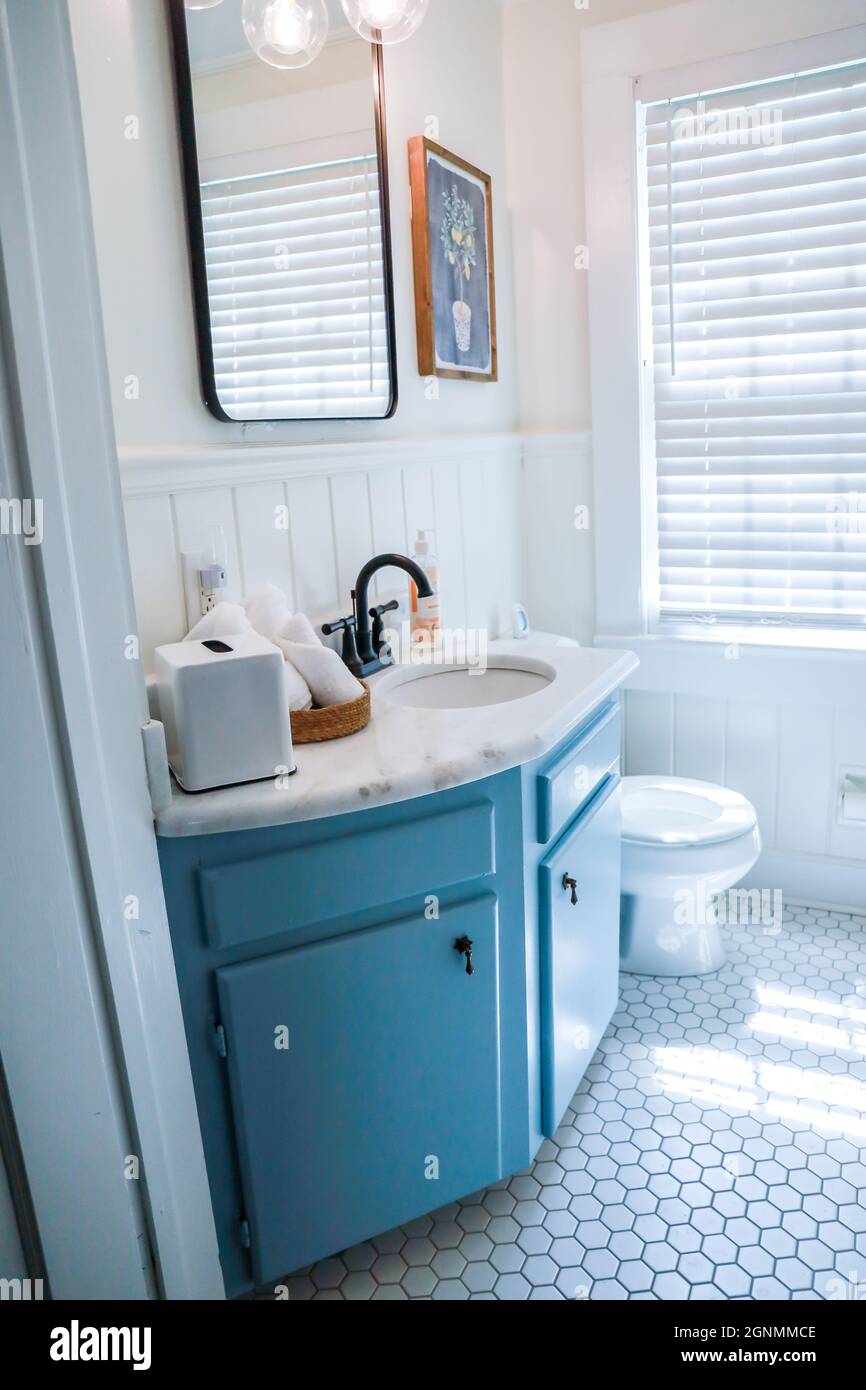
x,y
851,801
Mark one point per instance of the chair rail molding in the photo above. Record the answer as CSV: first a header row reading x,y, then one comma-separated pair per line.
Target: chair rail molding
x,y
178,468
573,444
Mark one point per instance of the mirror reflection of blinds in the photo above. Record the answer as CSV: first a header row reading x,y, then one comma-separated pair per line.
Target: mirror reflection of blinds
x,y
757,269
297,293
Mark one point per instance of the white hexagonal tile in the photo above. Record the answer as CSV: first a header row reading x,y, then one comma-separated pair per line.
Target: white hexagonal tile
x,y
646,1193
419,1283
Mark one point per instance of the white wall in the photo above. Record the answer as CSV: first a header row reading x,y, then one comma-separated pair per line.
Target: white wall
x,y
541,56
776,725
183,470
451,70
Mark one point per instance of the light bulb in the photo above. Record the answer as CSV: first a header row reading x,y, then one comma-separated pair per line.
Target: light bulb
x,y
286,33
287,26
385,21
382,14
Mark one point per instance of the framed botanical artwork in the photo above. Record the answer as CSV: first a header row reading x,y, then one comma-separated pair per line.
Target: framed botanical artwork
x,y
452,244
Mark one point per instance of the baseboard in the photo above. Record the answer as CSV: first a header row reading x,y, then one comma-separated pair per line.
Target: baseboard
x,y
839,884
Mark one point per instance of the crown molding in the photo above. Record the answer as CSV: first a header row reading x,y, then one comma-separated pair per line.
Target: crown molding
x,y
246,58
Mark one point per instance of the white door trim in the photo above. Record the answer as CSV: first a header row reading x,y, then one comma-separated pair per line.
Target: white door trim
x,y
112,988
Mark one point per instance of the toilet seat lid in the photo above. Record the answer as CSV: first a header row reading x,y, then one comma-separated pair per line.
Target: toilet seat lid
x,y
677,811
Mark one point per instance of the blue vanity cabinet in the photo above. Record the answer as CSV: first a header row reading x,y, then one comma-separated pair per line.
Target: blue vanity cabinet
x,y
350,1075
404,1083
579,921
364,1076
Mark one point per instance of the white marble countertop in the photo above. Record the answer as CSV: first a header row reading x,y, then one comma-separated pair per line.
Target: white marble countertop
x,y
406,753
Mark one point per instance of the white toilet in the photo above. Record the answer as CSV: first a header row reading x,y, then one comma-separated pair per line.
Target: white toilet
x,y
684,842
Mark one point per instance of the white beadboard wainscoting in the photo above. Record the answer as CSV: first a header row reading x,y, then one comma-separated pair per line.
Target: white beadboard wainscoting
x,y
559,522
345,503
778,725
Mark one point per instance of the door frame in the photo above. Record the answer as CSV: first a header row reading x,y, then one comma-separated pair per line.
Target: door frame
x,y
91,1031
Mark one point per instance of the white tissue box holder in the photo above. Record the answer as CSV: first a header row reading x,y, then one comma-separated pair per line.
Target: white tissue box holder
x,y
225,708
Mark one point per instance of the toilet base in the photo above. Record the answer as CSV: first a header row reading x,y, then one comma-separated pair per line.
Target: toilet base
x,y
652,942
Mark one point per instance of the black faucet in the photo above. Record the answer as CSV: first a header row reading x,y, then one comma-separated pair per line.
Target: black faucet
x,y
362,656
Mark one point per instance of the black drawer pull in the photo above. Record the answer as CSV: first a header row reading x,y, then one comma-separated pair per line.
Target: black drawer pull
x,y
572,884
464,947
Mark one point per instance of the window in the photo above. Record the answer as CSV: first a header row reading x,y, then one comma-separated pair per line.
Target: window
x,y
753,226
295,273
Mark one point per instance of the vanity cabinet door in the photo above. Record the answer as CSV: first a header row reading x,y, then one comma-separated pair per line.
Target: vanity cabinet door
x,y
580,898
364,1077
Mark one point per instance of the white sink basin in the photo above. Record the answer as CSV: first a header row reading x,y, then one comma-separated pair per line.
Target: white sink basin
x,y
461,687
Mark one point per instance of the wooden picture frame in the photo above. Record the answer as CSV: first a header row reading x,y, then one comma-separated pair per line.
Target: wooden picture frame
x,y
452,246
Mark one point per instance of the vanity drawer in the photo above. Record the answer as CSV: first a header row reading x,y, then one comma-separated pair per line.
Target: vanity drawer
x,y
569,782
275,894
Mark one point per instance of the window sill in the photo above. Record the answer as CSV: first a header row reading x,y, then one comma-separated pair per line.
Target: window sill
x,y
772,638
816,667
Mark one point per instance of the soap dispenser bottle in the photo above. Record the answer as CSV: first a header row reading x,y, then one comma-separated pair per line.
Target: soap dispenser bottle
x,y
425,614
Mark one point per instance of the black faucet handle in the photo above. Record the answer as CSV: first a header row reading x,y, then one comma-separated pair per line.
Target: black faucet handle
x,y
380,646
341,625
385,608
350,646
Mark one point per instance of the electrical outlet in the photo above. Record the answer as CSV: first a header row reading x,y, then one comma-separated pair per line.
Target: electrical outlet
x,y
205,579
212,581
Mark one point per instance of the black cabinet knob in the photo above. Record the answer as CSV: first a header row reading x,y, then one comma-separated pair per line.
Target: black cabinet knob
x,y
464,948
572,884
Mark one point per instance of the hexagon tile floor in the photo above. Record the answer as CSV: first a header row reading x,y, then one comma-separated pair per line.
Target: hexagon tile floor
x,y
715,1150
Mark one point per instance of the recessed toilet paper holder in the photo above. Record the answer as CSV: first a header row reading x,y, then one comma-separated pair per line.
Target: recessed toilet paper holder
x,y
851,809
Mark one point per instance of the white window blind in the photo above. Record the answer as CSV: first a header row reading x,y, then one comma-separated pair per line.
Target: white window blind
x,y
755,229
296,284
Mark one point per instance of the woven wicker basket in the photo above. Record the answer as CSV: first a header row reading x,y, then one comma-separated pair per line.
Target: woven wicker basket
x,y
322,725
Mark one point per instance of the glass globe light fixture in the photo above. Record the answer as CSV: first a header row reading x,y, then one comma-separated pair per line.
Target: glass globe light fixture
x,y
385,21
201,4
286,33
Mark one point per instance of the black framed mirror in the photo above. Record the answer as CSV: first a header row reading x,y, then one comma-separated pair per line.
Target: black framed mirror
x,y
286,186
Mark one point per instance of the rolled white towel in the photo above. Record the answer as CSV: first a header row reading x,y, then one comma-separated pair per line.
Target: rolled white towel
x,y
268,610
226,620
300,695
331,682
229,620
298,628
